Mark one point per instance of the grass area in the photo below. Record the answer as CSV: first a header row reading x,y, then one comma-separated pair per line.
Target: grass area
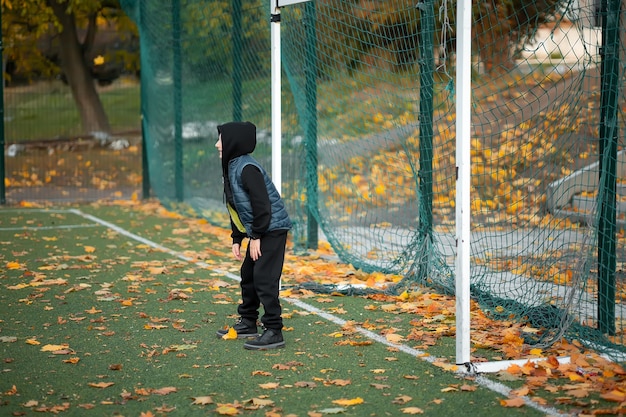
x,y
46,110
96,322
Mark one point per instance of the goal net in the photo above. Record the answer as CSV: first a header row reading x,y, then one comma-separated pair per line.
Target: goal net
x,y
368,141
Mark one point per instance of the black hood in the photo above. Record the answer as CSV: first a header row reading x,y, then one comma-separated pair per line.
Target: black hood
x,y
238,138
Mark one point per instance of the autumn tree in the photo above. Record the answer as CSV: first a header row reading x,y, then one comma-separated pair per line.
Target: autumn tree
x,y
74,23
358,30
502,27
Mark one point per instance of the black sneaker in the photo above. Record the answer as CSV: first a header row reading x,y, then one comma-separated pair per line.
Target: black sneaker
x,y
243,327
270,339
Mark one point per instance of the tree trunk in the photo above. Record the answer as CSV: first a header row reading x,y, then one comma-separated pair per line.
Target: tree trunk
x,y
92,115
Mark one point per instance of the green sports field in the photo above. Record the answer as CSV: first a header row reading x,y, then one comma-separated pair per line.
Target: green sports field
x,y
111,310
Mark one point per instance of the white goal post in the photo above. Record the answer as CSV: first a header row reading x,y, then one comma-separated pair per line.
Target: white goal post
x,y
463,179
281,3
463,140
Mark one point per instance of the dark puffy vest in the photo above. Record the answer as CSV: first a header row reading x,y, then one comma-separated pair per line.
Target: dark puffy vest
x,y
279,219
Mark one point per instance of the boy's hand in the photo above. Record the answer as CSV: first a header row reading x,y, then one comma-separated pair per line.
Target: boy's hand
x,y
255,249
237,251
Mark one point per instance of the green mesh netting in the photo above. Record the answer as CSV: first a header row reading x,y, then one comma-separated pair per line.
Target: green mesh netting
x,y
368,139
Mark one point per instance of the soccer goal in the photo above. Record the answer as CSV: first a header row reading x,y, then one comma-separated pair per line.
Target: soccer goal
x,y
473,149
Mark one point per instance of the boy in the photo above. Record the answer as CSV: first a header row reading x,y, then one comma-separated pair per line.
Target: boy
x,y
258,213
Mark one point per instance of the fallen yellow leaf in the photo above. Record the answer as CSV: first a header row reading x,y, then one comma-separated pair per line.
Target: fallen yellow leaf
x,y
412,410
227,410
394,337
269,385
231,335
615,395
53,348
345,401
13,265
512,402
262,402
100,384
164,390
204,400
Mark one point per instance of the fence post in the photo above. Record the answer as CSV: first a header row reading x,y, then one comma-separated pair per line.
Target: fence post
x,y
311,121
178,101
425,173
237,55
3,199
145,163
609,95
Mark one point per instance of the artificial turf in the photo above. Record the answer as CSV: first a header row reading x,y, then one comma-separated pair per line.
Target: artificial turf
x,y
94,322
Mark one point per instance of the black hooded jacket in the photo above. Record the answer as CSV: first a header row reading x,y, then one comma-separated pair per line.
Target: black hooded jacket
x,y
239,138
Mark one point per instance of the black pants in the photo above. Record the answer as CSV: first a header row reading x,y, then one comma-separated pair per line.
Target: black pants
x,y
260,281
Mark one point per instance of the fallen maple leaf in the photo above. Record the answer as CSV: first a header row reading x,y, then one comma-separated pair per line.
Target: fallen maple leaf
x,y
100,384
394,337
18,286
262,402
578,393
227,410
13,265
53,348
262,373
204,400
402,399
520,392
164,390
412,410
269,385
305,384
231,335
345,401
338,382
615,395
446,366
512,402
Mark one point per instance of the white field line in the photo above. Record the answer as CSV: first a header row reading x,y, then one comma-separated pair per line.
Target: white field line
x,y
67,226
21,211
479,379
34,210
